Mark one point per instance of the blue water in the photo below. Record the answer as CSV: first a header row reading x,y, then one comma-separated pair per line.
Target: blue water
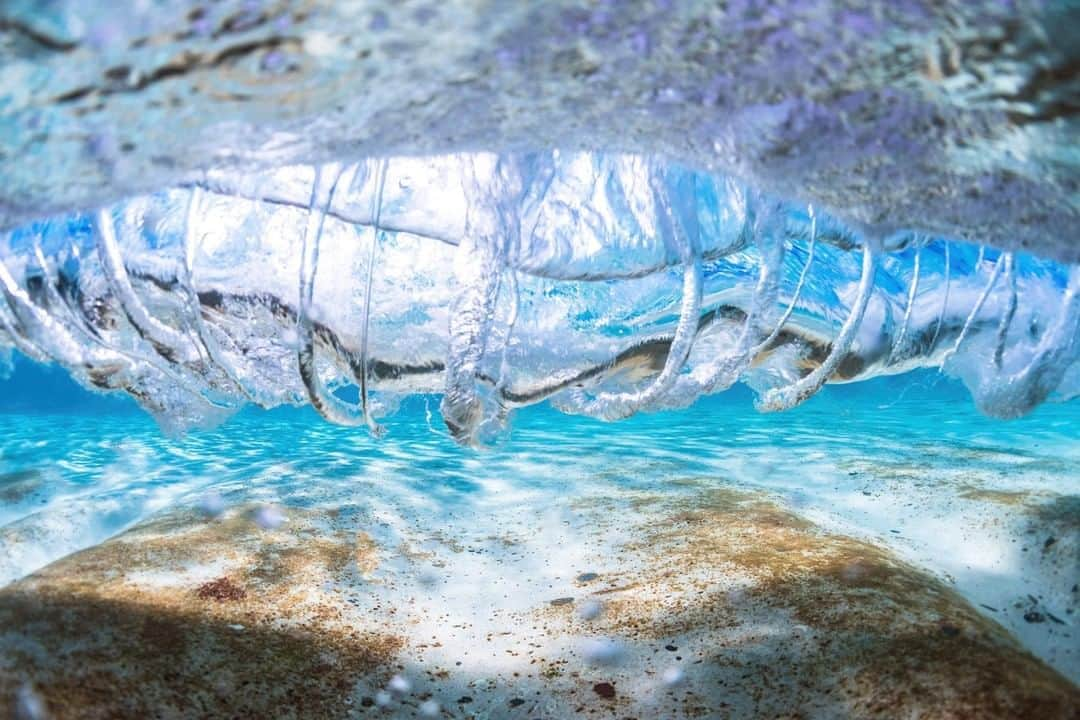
x,y
906,463
103,465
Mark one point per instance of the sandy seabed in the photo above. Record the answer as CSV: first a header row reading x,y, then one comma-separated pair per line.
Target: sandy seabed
x,y
699,601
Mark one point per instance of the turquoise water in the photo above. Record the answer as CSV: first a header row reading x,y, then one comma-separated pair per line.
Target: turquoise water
x,y
905,462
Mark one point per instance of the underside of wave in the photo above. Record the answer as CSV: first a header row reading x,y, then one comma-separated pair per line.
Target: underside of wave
x,y
604,284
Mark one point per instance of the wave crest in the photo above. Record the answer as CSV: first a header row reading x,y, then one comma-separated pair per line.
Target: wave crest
x,y
607,284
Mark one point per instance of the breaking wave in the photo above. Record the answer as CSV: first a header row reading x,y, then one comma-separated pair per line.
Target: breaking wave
x,y
605,284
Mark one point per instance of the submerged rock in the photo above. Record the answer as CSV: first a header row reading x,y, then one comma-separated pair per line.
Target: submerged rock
x,y
20,486
823,622
129,628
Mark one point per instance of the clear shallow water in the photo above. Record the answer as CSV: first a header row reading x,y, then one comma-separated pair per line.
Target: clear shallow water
x,y
905,463
882,550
